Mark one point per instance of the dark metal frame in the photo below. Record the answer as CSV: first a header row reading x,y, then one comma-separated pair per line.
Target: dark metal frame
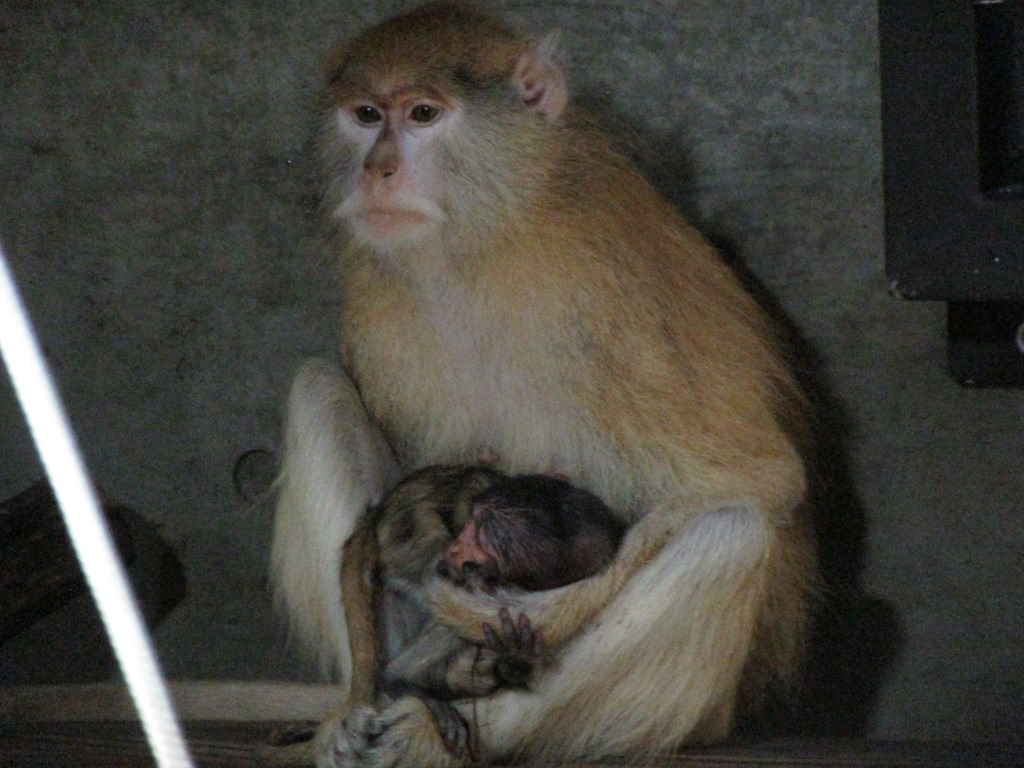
x,y
953,129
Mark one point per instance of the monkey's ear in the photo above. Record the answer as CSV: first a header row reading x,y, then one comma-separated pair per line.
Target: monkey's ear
x,y
541,80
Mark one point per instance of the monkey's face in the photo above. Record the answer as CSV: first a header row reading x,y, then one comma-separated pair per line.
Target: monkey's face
x,y
507,546
437,118
394,135
470,559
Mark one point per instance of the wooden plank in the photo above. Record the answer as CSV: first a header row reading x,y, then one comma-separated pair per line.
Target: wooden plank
x,y
219,745
230,701
123,745
249,724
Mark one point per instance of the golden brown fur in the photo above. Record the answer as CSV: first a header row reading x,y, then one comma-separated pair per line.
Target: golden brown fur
x,y
359,598
549,306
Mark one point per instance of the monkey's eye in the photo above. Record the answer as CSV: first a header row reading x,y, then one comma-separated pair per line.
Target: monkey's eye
x,y
424,113
367,115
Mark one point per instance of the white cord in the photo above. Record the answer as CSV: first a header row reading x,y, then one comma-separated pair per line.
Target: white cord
x,y
86,527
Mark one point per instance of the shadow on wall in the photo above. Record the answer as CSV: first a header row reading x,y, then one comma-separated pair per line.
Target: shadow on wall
x,y
856,637
50,630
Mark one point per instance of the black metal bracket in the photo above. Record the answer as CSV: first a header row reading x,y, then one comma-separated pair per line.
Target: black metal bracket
x,y
953,138
986,344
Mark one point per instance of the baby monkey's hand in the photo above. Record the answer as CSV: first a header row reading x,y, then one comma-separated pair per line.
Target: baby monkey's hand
x,y
518,648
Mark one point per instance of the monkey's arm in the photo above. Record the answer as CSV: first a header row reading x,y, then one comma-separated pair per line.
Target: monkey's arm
x,y
443,665
440,663
557,614
337,464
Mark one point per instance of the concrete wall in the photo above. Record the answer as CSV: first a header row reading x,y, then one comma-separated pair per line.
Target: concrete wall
x,y
156,201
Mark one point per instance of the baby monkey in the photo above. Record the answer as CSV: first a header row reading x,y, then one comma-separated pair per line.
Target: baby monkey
x,y
533,532
483,530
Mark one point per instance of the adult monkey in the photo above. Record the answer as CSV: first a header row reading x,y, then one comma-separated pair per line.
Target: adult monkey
x,y
513,286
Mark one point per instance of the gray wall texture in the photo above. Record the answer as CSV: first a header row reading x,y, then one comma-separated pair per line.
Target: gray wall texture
x,y
157,201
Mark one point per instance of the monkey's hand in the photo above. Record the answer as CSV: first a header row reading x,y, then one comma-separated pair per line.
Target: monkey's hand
x,y
517,648
408,732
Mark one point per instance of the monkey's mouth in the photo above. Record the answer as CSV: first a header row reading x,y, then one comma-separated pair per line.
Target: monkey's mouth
x,y
470,575
387,225
392,218
377,217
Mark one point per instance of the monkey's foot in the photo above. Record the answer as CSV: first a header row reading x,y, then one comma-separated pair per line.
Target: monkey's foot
x,y
344,743
517,647
404,734
450,726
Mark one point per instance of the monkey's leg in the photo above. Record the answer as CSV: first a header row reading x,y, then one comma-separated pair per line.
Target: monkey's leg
x,y
336,464
442,665
559,613
659,667
359,557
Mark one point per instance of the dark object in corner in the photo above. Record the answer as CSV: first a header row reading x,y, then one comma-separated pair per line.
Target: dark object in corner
x,y
986,344
953,136
39,572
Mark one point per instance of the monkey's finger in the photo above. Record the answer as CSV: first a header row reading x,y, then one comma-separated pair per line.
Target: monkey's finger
x,y
523,624
452,728
368,722
508,626
500,642
491,638
524,634
353,738
537,643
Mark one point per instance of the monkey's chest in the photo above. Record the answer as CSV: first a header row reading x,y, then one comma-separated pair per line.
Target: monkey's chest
x,y
449,385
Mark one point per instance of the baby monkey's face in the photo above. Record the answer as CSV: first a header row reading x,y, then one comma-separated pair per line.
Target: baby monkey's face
x,y
507,545
531,532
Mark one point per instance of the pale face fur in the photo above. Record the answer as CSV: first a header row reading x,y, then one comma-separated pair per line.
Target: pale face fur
x,y
396,199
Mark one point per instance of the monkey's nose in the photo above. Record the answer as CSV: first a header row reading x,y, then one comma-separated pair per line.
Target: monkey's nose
x,y
444,570
470,570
